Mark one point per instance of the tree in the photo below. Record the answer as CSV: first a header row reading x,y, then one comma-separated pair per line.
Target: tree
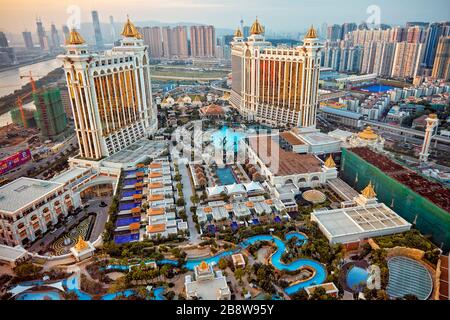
x,y
223,264
239,273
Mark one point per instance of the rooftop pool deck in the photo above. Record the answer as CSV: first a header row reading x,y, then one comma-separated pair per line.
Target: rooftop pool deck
x,y
231,136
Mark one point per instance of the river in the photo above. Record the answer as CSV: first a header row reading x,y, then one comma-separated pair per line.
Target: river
x,y
10,80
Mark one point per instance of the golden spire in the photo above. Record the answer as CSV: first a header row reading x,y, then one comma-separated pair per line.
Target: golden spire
x,y
368,134
75,38
203,266
130,31
256,28
311,34
81,244
330,162
238,33
369,192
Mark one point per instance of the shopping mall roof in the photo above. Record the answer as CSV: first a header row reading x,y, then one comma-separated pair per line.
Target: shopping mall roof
x,y
138,152
70,174
24,191
282,162
356,223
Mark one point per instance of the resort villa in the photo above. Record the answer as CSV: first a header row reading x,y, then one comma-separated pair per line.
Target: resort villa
x,y
207,284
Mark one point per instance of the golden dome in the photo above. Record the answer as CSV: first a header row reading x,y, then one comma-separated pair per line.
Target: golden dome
x,y
256,28
368,134
329,163
75,38
130,31
81,244
238,33
203,266
311,34
369,192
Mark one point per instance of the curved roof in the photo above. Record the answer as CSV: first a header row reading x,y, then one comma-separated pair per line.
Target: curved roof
x,y
256,28
130,31
238,33
311,34
75,38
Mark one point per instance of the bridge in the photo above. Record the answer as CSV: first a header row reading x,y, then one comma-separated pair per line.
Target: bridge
x,y
405,131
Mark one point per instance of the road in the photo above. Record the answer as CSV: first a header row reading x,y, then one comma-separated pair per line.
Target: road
x,y
194,236
22,171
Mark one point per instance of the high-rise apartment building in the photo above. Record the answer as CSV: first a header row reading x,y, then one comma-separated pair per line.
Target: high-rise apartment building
x,y
66,33
97,31
276,86
50,115
110,93
435,32
3,40
112,28
56,43
175,42
334,32
153,39
41,35
441,69
203,41
28,40
407,59
384,58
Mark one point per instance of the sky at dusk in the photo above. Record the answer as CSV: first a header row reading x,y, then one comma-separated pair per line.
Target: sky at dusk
x,y
277,15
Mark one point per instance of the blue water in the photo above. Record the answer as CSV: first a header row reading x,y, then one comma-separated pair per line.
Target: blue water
x,y
128,205
48,295
124,238
128,182
226,176
127,221
377,88
318,278
130,193
112,296
356,276
72,285
232,138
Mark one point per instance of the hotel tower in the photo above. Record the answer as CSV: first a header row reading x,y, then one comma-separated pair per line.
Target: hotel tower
x,y
110,93
275,85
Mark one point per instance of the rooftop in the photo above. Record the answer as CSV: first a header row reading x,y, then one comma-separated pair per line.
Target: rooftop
x,y
281,162
359,220
137,152
70,174
23,191
291,138
11,254
434,191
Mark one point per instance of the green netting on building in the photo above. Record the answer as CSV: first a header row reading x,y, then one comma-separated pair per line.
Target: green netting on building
x,y
16,117
50,115
430,219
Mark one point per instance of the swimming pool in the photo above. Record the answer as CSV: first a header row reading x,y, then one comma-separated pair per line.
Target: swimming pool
x,y
112,296
124,238
127,221
44,295
130,193
376,88
128,205
356,278
128,182
226,176
232,138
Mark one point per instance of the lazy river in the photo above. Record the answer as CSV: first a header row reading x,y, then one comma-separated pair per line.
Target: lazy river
x,y
318,277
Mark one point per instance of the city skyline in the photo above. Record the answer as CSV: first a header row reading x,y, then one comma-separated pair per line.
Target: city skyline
x,y
18,16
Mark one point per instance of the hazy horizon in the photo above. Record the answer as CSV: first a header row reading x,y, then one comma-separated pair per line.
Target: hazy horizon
x,y
277,15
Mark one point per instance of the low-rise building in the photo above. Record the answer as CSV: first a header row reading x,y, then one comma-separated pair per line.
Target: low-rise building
x,y
29,207
207,284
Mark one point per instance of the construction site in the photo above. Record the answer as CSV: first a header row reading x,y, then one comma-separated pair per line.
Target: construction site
x,y
421,201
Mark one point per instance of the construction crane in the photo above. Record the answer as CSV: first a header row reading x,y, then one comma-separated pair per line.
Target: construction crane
x,y
20,99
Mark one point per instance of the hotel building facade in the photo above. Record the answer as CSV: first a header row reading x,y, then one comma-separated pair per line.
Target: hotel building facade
x,y
272,85
110,94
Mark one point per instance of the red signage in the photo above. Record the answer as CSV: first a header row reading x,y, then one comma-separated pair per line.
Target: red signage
x,y
14,161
